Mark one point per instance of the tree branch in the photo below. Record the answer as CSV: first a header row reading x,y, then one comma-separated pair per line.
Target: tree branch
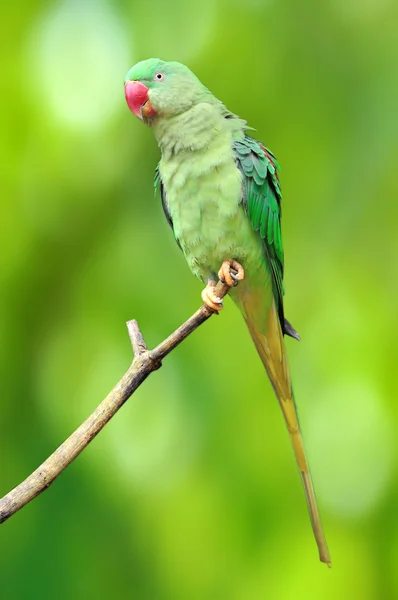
x,y
145,361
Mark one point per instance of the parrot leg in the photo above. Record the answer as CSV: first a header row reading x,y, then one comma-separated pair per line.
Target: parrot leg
x,y
231,272
209,297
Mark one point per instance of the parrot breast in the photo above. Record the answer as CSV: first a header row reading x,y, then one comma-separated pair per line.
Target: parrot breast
x,y
203,188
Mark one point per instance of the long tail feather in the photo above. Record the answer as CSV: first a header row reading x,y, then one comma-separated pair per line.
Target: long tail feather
x,y
271,349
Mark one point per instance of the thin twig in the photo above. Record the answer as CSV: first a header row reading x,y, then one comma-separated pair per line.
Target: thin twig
x,y
143,364
136,338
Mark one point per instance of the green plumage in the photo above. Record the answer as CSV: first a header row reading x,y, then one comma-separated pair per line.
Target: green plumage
x,y
221,195
261,199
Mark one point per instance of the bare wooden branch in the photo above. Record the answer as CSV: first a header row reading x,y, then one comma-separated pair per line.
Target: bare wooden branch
x,y
143,364
136,338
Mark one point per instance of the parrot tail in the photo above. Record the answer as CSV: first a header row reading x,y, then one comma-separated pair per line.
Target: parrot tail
x,y
271,349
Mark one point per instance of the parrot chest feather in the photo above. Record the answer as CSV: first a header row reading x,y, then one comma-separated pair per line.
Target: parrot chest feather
x,y
203,187
208,220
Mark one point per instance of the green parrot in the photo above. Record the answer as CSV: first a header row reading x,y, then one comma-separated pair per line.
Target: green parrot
x,y
221,195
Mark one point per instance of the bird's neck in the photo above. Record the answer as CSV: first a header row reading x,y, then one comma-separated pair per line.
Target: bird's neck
x,y
195,129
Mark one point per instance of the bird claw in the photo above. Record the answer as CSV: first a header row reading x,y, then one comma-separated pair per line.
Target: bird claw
x,y
231,273
235,277
213,302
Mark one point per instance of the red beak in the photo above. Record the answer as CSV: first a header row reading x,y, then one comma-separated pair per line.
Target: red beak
x,y
137,99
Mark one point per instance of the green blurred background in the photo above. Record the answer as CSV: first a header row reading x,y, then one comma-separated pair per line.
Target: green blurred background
x,y
192,492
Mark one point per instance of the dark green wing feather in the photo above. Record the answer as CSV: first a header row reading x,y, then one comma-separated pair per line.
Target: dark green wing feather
x,y
157,182
261,198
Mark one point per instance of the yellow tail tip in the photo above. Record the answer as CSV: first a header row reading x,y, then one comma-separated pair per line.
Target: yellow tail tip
x,y
327,562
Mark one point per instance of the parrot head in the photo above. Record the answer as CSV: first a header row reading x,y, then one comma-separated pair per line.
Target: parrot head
x,y
155,88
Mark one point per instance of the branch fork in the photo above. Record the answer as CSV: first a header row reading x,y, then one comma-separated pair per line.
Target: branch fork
x,y
145,361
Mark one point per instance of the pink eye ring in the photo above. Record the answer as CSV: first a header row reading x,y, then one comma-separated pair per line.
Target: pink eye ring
x,y
158,76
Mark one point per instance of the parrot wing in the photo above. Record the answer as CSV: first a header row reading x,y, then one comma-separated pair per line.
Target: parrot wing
x,y
166,209
261,199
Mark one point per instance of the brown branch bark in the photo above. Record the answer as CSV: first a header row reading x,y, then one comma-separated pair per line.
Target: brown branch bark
x,y
145,361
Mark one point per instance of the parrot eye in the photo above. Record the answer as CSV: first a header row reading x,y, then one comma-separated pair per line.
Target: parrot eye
x,y
159,76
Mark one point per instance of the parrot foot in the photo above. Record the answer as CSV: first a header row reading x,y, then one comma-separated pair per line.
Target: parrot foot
x,y
231,272
210,299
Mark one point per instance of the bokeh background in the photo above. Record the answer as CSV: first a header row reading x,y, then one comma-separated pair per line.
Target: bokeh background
x,y
191,492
